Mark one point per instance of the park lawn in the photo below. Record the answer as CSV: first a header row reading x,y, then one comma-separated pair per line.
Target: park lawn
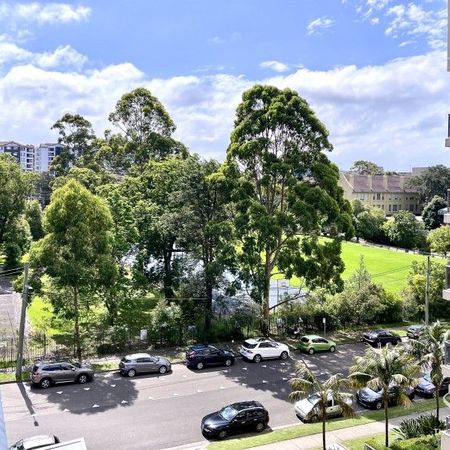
x,y
387,267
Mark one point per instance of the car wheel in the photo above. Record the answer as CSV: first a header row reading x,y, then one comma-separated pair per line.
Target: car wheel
x,y
162,370
228,362
284,355
395,342
315,418
45,383
222,434
200,366
332,349
257,358
311,351
82,379
131,373
378,405
260,427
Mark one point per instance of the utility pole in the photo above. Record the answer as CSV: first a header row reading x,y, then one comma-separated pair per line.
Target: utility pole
x,y
19,361
427,289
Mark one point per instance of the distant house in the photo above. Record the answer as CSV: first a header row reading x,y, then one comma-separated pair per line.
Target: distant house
x,y
387,192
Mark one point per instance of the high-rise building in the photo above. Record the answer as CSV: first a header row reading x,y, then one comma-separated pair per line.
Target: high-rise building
x,y
24,154
44,155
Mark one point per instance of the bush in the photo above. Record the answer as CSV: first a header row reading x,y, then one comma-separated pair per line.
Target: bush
x,y
430,442
419,426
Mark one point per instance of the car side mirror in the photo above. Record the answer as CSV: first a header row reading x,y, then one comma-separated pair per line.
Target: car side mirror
x,y
73,368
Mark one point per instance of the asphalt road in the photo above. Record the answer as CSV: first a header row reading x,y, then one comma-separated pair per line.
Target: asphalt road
x,y
158,411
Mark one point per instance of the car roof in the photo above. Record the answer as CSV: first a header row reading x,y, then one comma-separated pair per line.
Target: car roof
x,y
38,441
312,336
138,355
257,340
241,406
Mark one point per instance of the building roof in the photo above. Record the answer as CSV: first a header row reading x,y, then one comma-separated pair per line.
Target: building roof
x,y
378,183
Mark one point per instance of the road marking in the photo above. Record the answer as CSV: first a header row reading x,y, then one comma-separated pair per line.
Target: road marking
x,y
221,387
175,394
96,406
199,390
284,378
66,410
112,385
244,368
150,398
123,401
59,392
184,376
264,381
263,365
86,389
244,384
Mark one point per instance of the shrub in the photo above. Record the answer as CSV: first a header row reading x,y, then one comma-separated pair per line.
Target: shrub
x,y
430,442
419,426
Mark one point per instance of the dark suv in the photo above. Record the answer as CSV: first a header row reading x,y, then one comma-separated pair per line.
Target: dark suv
x,y
200,356
46,373
239,417
381,337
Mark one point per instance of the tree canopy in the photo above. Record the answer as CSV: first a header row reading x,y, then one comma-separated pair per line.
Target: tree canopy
x,y
362,167
430,214
434,180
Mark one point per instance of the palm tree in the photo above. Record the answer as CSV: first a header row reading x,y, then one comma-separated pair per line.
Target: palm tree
x,y
430,352
381,369
307,382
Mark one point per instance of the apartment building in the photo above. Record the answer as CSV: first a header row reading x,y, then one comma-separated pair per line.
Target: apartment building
x,y
387,192
24,154
44,155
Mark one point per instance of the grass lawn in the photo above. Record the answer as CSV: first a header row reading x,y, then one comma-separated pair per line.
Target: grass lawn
x,y
313,428
11,376
358,444
387,267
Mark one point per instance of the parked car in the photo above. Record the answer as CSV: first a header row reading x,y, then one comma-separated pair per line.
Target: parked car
x,y
373,399
47,373
308,408
200,356
381,337
413,331
34,442
138,363
312,343
426,388
262,348
239,417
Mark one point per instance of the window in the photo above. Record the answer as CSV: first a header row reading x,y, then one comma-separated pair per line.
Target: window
x,y
264,345
382,197
394,208
329,403
66,367
374,197
254,414
390,208
240,416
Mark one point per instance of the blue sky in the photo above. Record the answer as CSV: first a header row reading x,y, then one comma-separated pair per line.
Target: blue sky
x,y
374,70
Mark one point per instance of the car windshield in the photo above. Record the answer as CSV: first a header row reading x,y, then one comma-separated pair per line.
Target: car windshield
x,y
314,398
18,445
248,345
228,413
427,377
305,339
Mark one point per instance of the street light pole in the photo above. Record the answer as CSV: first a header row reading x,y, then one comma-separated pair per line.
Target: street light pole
x,y
19,362
427,289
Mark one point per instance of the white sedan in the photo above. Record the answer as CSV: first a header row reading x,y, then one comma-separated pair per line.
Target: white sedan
x,y
263,348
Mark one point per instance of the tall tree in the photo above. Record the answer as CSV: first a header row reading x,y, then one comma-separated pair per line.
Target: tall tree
x,y
206,229
380,369
362,167
33,215
306,382
430,214
147,133
435,180
439,240
430,350
79,144
76,251
15,186
286,193
404,230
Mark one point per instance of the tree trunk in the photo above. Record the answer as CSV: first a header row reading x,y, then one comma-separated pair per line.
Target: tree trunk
x,y
266,293
324,438
168,291
436,394
77,323
386,418
208,306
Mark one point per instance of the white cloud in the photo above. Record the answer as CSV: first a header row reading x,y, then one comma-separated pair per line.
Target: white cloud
x,y
319,24
277,66
394,114
44,13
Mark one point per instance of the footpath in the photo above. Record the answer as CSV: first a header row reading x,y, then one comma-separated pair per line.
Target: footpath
x,y
314,441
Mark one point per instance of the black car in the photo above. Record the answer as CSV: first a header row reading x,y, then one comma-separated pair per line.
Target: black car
x,y
239,417
200,356
373,399
426,388
381,337
413,332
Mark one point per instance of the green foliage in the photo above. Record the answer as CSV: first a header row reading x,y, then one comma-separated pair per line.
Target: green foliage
x,y
435,180
284,186
362,167
15,186
414,293
439,240
17,241
33,215
430,213
404,230
369,223
430,442
166,323
419,426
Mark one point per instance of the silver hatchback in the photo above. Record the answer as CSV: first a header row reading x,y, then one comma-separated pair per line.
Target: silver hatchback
x,y
137,363
47,373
